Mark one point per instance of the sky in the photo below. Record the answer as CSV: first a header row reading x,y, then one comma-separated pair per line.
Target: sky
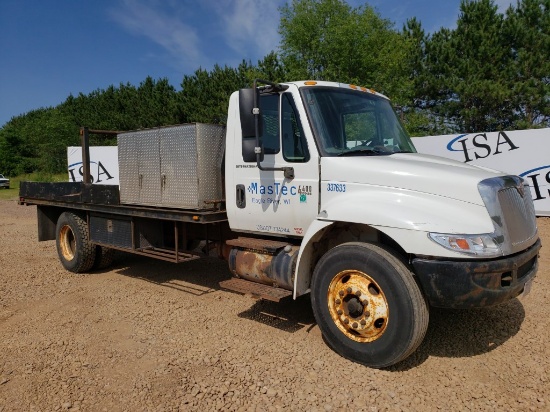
x,y
50,49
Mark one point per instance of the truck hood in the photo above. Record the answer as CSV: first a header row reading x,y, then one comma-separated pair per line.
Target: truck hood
x,y
410,171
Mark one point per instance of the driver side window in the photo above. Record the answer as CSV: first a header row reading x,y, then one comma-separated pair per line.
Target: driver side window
x,y
294,142
269,108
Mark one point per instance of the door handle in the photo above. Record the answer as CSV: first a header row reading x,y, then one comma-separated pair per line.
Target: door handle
x,y
241,197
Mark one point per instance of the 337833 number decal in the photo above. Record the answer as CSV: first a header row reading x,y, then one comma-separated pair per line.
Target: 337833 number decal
x,y
336,187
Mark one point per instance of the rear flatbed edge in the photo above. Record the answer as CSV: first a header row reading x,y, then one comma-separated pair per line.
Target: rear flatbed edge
x,y
106,199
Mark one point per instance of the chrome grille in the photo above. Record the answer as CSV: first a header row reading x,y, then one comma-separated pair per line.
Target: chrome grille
x,y
509,203
518,213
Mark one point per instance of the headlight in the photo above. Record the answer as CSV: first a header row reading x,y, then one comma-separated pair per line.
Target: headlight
x,y
477,245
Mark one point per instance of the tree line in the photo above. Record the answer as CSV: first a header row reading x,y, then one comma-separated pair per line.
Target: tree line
x,y
491,72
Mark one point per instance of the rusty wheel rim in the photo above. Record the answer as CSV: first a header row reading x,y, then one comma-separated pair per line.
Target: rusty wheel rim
x,y
358,306
67,243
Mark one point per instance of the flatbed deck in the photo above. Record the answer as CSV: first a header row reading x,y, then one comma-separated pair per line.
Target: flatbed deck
x,y
106,199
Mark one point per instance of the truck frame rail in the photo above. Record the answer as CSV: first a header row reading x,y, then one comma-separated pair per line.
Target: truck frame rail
x,y
159,232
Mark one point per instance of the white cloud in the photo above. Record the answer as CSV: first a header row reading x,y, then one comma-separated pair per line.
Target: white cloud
x,y
162,26
248,24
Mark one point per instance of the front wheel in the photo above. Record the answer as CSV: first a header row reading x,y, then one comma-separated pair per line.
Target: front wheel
x,y
367,304
74,249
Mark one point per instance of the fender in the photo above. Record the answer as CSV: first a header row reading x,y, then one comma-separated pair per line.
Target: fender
x,y
405,216
303,265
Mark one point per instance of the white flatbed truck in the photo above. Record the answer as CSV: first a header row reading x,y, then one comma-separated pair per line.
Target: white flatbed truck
x,y
312,187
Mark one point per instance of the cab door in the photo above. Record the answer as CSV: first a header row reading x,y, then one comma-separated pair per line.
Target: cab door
x,y
266,201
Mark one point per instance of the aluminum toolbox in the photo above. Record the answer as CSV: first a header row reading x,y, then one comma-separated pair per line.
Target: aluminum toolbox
x,y
176,166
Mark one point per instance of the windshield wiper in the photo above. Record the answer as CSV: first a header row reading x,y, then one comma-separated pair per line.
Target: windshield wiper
x,y
369,152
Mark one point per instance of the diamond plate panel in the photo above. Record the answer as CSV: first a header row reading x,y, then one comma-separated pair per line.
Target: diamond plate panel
x,y
176,166
179,166
149,167
210,150
116,232
128,167
139,165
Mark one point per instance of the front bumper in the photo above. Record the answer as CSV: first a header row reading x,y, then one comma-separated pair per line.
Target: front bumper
x,y
5,184
476,283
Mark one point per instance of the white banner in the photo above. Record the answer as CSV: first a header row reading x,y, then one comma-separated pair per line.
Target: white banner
x,y
103,164
522,152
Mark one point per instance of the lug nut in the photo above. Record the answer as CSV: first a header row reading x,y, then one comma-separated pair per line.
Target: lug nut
x,y
340,311
346,321
363,322
341,293
354,326
358,293
338,301
365,302
349,289
367,314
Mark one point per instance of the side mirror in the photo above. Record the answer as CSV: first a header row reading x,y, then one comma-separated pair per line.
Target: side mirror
x,y
246,106
249,154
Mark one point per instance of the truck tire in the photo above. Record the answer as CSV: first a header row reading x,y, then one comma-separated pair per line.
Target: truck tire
x,y
368,305
104,257
74,249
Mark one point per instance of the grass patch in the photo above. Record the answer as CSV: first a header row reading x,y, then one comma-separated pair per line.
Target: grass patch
x,y
13,191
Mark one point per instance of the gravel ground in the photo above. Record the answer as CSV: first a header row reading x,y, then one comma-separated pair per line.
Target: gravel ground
x,y
155,336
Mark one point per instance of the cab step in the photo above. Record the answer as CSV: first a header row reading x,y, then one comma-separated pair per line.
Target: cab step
x,y
262,245
256,290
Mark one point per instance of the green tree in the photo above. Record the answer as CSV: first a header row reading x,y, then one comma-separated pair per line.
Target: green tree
x,y
15,151
312,31
416,113
330,40
157,103
467,80
270,68
37,141
527,29
56,132
205,95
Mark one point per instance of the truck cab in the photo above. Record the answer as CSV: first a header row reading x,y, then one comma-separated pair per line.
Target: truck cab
x,y
466,235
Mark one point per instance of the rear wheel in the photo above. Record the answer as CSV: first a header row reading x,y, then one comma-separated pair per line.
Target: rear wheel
x,y
74,249
104,257
367,304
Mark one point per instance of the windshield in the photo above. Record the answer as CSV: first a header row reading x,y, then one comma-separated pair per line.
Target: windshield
x,y
353,123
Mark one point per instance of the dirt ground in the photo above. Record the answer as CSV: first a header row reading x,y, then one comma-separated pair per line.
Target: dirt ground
x,y
155,336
